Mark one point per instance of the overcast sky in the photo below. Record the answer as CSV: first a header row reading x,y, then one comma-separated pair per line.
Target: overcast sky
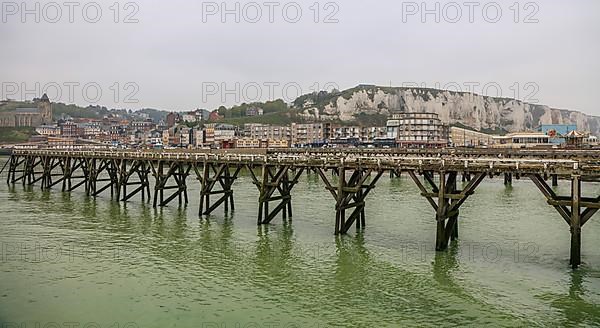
x,y
182,54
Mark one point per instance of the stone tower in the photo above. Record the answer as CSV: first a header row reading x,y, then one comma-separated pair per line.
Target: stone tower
x,y
45,108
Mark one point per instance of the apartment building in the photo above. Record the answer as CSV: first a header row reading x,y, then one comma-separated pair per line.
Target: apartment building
x,y
417,130
308,134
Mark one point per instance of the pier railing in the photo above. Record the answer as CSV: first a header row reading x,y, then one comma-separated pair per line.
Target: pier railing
x,y
422,161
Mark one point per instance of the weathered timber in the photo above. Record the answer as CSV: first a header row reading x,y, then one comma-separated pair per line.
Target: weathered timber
x,y
76,166
137,168
575,259
466,177
177,173
449,200
221,177
275,185
350,193
574,209
508,179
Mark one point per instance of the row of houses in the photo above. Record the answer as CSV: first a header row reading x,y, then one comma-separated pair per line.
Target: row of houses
x,y
111,128
218,135
146,133
407,130
550,135
426,130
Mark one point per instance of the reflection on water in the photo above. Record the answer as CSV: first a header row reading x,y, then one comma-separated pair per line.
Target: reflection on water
x,y
129,262
576,306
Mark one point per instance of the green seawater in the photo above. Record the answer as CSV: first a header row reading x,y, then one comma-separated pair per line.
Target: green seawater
x,y
69,259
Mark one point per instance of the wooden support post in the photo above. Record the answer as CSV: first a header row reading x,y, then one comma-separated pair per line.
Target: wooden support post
x,y
123,179
508,179
574,209
219,183
275,185
11,168
162,183
32,163
339,211
453,216
440,236
112,178
449,200
4,167
66,184
350,193
466,177
47,165
395,173
554,180
157,172
262,191
78,166
140,169
90,186
27,171
455,230
18,166
178,171
55,163
575,221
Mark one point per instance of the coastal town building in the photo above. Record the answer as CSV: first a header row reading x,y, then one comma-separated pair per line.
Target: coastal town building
x,y
145,125
28,117
308,134
522,140
417,130
557,133
172,119
354,135
48,130
460,137
590,141
254,111
248,143
267,132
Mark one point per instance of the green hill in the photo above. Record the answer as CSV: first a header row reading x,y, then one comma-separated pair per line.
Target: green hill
x,y
15,135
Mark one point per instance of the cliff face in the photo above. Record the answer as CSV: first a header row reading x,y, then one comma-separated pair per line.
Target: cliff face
x,y
479,112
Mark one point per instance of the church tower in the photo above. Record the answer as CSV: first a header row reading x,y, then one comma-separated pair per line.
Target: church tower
x,y
45,108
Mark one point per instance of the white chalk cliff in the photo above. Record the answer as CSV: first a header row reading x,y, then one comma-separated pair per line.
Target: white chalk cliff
x,y
476,111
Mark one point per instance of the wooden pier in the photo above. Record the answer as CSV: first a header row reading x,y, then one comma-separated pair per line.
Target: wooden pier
x,y
349,175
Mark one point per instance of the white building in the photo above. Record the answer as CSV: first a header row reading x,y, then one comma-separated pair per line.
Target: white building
x,y
417,130
48,130
189,117
522,140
